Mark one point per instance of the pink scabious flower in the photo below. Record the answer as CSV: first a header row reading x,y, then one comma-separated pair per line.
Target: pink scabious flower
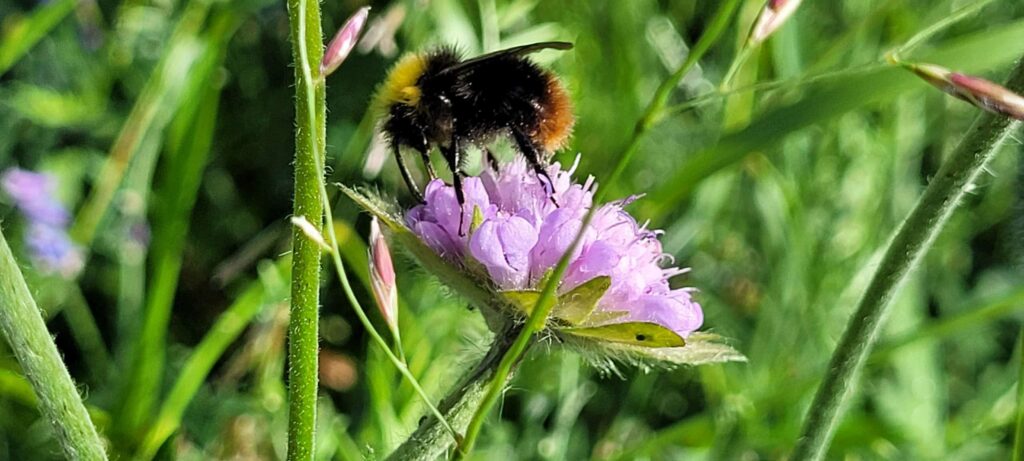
x,y
517,231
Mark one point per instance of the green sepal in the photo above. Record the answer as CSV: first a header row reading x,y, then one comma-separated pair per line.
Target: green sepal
x,y
573,308
643,334
577,305
478,219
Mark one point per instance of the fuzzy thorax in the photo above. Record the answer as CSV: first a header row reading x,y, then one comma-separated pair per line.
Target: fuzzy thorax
x,y
400,85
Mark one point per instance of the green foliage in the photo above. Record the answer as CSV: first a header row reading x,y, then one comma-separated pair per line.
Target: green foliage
x,y
781,192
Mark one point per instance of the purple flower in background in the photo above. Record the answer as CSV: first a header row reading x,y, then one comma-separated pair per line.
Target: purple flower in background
x,y
46,236
511,227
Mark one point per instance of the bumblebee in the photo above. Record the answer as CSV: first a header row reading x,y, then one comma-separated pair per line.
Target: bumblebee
x,y
438,98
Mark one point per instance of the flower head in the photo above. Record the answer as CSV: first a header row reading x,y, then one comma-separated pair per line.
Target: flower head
x,y
46,236
516,231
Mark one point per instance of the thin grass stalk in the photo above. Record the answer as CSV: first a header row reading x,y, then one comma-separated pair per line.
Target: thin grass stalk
x,y
228,327
913,239
1018,432
30,341
20,40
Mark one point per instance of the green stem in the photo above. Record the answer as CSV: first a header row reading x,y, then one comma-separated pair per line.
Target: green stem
x,y
656,109
431,439
538,318
1018,433
31,343
29,31
314,112
909,245
310,138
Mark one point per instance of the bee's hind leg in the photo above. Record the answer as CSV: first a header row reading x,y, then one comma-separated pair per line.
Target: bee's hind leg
x,y
425,155
453,155
533,154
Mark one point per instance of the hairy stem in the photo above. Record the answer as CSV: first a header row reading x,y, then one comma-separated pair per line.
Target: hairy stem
x,y
310,136
911,242
26,332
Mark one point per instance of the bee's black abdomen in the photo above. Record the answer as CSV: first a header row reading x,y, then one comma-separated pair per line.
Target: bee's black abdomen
x,y
501,93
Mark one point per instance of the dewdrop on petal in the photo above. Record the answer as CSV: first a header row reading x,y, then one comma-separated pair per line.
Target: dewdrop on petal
x,y
343,42
774,14
382,276
981,93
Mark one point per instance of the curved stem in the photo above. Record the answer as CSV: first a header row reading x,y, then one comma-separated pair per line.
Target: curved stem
x,y
430,439
303,323
30,341
316,118
909,245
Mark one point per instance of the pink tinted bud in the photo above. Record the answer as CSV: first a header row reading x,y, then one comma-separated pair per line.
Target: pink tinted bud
x,y
990,96
343,42
382,276
773,16
981,93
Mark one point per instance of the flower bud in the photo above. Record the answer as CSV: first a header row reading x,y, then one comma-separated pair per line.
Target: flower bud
x,y
774,14
977,91
382,276
343,42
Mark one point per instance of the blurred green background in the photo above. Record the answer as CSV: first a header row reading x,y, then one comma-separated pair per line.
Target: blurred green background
x,y
169,125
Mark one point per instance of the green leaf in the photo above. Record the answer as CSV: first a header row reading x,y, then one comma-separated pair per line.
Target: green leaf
x,y
577,305
642,334
523,300
573,307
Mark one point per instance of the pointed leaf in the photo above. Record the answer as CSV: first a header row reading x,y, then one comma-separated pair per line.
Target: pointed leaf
x,y
577,305
701,348
642,334
524,300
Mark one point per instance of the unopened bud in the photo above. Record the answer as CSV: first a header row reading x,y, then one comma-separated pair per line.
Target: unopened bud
x,y
774,14
975,90
343,42
382,276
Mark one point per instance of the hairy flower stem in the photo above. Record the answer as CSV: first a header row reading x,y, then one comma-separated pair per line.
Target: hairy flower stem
x,y
311,117
538,318
911,242
430,439
25,330
303,323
